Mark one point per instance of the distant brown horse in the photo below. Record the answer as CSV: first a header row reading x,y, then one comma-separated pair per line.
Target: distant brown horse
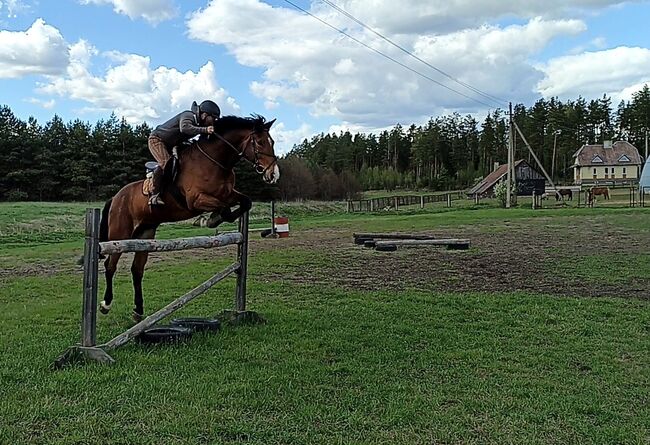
x,y
205,183
597,191
561,193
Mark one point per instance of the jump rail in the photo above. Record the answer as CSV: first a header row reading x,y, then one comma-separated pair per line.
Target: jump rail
x,y
88,349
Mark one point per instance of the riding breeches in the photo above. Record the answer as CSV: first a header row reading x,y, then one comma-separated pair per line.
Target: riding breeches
x,y
159,150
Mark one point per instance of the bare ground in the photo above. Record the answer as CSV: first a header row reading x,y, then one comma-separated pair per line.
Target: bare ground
x,y
518,256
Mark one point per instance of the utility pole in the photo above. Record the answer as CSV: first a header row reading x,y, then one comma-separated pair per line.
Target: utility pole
x,y
646,144
509,175
555,133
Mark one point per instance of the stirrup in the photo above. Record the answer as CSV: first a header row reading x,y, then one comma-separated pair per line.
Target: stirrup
x,y
154,200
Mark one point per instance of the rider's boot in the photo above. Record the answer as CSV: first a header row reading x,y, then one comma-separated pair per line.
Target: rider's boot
x,y
156,186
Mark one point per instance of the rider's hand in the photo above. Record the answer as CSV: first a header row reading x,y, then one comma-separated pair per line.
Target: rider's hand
x,y
210,129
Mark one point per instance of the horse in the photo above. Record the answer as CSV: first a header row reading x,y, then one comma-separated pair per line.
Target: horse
x,y
596,191
561,193
204,183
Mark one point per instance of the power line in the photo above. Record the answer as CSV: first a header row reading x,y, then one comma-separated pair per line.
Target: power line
x,y
490,97
387,56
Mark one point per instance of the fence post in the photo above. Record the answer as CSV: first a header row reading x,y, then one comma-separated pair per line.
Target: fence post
x,y
449,200
91,262
396,200
421,201
242,259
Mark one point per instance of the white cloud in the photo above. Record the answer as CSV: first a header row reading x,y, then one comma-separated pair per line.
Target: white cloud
x,y
614,71
421,17
135,90
314,66
12,8
153,11
48,105
286,139
39,50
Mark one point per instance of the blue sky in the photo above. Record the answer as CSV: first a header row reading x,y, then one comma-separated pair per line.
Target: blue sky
x,y
148,59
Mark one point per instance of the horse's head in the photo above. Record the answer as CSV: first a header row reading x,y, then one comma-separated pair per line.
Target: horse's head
x,y
258,149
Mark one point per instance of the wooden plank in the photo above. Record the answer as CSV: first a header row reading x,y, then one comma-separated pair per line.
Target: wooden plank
x,y
242,259
171,307
394,235
424,242
153,245
90,280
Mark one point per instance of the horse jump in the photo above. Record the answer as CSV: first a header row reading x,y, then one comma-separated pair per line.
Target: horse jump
x,y
93,248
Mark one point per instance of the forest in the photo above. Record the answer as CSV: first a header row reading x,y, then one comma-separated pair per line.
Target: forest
x,y
77,160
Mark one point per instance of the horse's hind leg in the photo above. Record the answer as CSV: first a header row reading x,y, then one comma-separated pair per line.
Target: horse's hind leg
x,y
137,272
110,266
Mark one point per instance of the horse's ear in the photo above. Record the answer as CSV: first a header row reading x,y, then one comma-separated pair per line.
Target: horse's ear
x,y
267,126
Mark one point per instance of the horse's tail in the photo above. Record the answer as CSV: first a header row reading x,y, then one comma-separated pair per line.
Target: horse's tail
x,y
103,225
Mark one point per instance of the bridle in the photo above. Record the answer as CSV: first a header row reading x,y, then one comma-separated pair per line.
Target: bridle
x,y
259,168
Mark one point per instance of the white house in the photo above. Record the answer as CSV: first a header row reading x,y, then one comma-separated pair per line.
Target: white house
x,y
607,164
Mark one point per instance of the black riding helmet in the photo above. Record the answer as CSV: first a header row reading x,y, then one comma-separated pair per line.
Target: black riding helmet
x,y
207,106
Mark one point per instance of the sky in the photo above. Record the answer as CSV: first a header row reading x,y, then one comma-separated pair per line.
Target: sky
x,y
358,65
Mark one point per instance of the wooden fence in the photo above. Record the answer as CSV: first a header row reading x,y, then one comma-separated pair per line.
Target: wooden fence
x,y
397,201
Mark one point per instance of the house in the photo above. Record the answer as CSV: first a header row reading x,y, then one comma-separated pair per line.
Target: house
x,y
608,164
527,179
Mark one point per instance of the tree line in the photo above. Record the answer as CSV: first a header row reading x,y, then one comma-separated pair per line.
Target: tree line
x,y
454,151
82,161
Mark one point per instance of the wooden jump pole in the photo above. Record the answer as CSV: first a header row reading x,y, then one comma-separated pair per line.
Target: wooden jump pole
x,y
391,235
242,259
91,272
88,348
425,242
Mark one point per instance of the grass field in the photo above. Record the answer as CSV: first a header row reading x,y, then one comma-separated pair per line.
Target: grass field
x,y
539,334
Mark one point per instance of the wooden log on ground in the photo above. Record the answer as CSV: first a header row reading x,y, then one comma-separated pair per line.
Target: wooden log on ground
x,y
394,235
153,245
452,243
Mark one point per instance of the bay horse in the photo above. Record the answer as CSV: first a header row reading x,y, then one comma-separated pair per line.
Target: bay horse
x,y
597,191
205,183
561,193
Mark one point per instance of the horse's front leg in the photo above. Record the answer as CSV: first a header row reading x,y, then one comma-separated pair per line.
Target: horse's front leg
x,y
236,198
209,203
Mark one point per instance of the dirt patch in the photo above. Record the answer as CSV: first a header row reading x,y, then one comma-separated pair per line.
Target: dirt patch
x,y
515,257
529,256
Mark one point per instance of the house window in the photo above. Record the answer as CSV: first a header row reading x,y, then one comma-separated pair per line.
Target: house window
x,y
606,173
595,177
624,172
597,160
624,158
613,173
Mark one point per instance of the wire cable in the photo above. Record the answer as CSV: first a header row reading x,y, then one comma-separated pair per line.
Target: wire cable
x,y
387,56
487,96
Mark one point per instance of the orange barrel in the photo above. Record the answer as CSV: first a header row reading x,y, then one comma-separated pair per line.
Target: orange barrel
x,y
282,226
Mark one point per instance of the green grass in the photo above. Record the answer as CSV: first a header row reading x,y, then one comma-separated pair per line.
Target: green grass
x,y
331,365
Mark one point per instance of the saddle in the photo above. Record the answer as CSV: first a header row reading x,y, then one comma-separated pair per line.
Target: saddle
x,y
170,173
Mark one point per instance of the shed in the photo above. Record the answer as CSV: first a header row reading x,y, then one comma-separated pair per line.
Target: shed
x,y
527,179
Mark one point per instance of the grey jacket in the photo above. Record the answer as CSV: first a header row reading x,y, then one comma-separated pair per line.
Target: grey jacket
x,y
180,128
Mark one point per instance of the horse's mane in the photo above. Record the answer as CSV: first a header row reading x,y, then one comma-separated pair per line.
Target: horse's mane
x,y
227,123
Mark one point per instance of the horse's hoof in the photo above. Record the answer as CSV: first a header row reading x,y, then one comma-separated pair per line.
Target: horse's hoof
x,y
137,317
104,308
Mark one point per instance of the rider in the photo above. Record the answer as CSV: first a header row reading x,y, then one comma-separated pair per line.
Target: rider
x,y
199,120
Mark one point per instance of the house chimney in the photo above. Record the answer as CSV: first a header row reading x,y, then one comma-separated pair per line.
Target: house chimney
x,y
607,144
496,166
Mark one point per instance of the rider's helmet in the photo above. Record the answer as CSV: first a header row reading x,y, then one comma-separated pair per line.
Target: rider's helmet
x,y
207,106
